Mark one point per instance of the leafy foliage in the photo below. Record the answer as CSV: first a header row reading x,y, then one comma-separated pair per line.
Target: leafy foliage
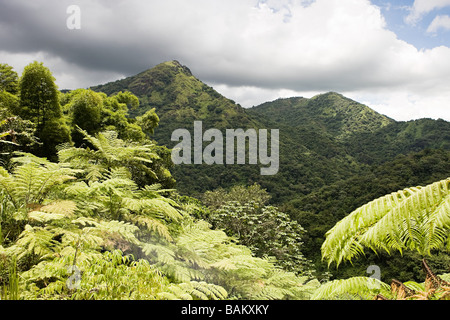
x,y
15,133
39,103
96,112
413,218
9,79
266,231
75,237
101,218
242,213
363,288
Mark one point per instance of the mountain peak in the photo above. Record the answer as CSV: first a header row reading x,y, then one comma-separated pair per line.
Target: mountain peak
x,y
144,83
176,66
329,112
178,95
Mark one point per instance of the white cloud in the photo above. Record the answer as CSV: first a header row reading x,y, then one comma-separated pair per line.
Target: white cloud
x,y
422,7
253,96
440,22
404,105
251,51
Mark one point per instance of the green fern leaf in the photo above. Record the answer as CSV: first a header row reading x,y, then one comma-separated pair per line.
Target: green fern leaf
x,y
414,218
361,287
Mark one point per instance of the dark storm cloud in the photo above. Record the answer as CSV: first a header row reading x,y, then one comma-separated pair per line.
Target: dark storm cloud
x,y
231,44
283,45
41,27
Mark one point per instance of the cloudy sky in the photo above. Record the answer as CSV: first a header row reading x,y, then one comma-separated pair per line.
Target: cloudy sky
x,y
393,55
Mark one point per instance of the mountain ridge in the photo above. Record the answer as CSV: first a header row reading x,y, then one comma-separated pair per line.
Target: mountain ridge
x,y
335,153
323,139
331,111
179,97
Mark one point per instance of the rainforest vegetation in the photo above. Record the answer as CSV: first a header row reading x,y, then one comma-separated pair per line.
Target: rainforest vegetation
x,y
92,208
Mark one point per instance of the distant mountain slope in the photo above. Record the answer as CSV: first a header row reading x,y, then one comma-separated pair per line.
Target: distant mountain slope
x,y
180,99
399,138
331,113
323,140
365,135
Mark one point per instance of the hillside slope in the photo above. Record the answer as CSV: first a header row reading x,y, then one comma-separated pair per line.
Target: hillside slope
x,y
331,112
335,153
323,140
180,99
363,134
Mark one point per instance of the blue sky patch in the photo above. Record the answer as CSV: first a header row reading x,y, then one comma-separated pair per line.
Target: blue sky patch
x,y
418,34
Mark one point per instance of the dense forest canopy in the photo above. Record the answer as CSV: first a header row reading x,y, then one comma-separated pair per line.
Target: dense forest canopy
x,y
92,206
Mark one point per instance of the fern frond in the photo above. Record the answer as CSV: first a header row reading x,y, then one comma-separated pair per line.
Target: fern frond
x,y
194,290
40,216
361,287
413,218
54,211
33,178
34,240
109,153
152,225
83,221
162,207
175,292
159,253
64,207
126,230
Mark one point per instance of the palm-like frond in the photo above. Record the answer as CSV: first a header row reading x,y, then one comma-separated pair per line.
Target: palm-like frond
x,y
54,211
32,179
151,224
109,153
413,218
352,288
37,241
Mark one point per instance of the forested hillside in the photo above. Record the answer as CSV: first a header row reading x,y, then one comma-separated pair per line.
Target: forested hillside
x,y
390,156
93,208
336,154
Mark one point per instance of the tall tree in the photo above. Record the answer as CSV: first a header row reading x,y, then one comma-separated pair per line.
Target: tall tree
x,y
39,103
15,133
84,109
9,79
95,112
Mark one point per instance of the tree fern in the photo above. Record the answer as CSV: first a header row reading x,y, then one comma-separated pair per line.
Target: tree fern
x,y
414,218
33,179
434,288
233,266
53,211
119,198
109,152
125,240
361,288
106,276
37,241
